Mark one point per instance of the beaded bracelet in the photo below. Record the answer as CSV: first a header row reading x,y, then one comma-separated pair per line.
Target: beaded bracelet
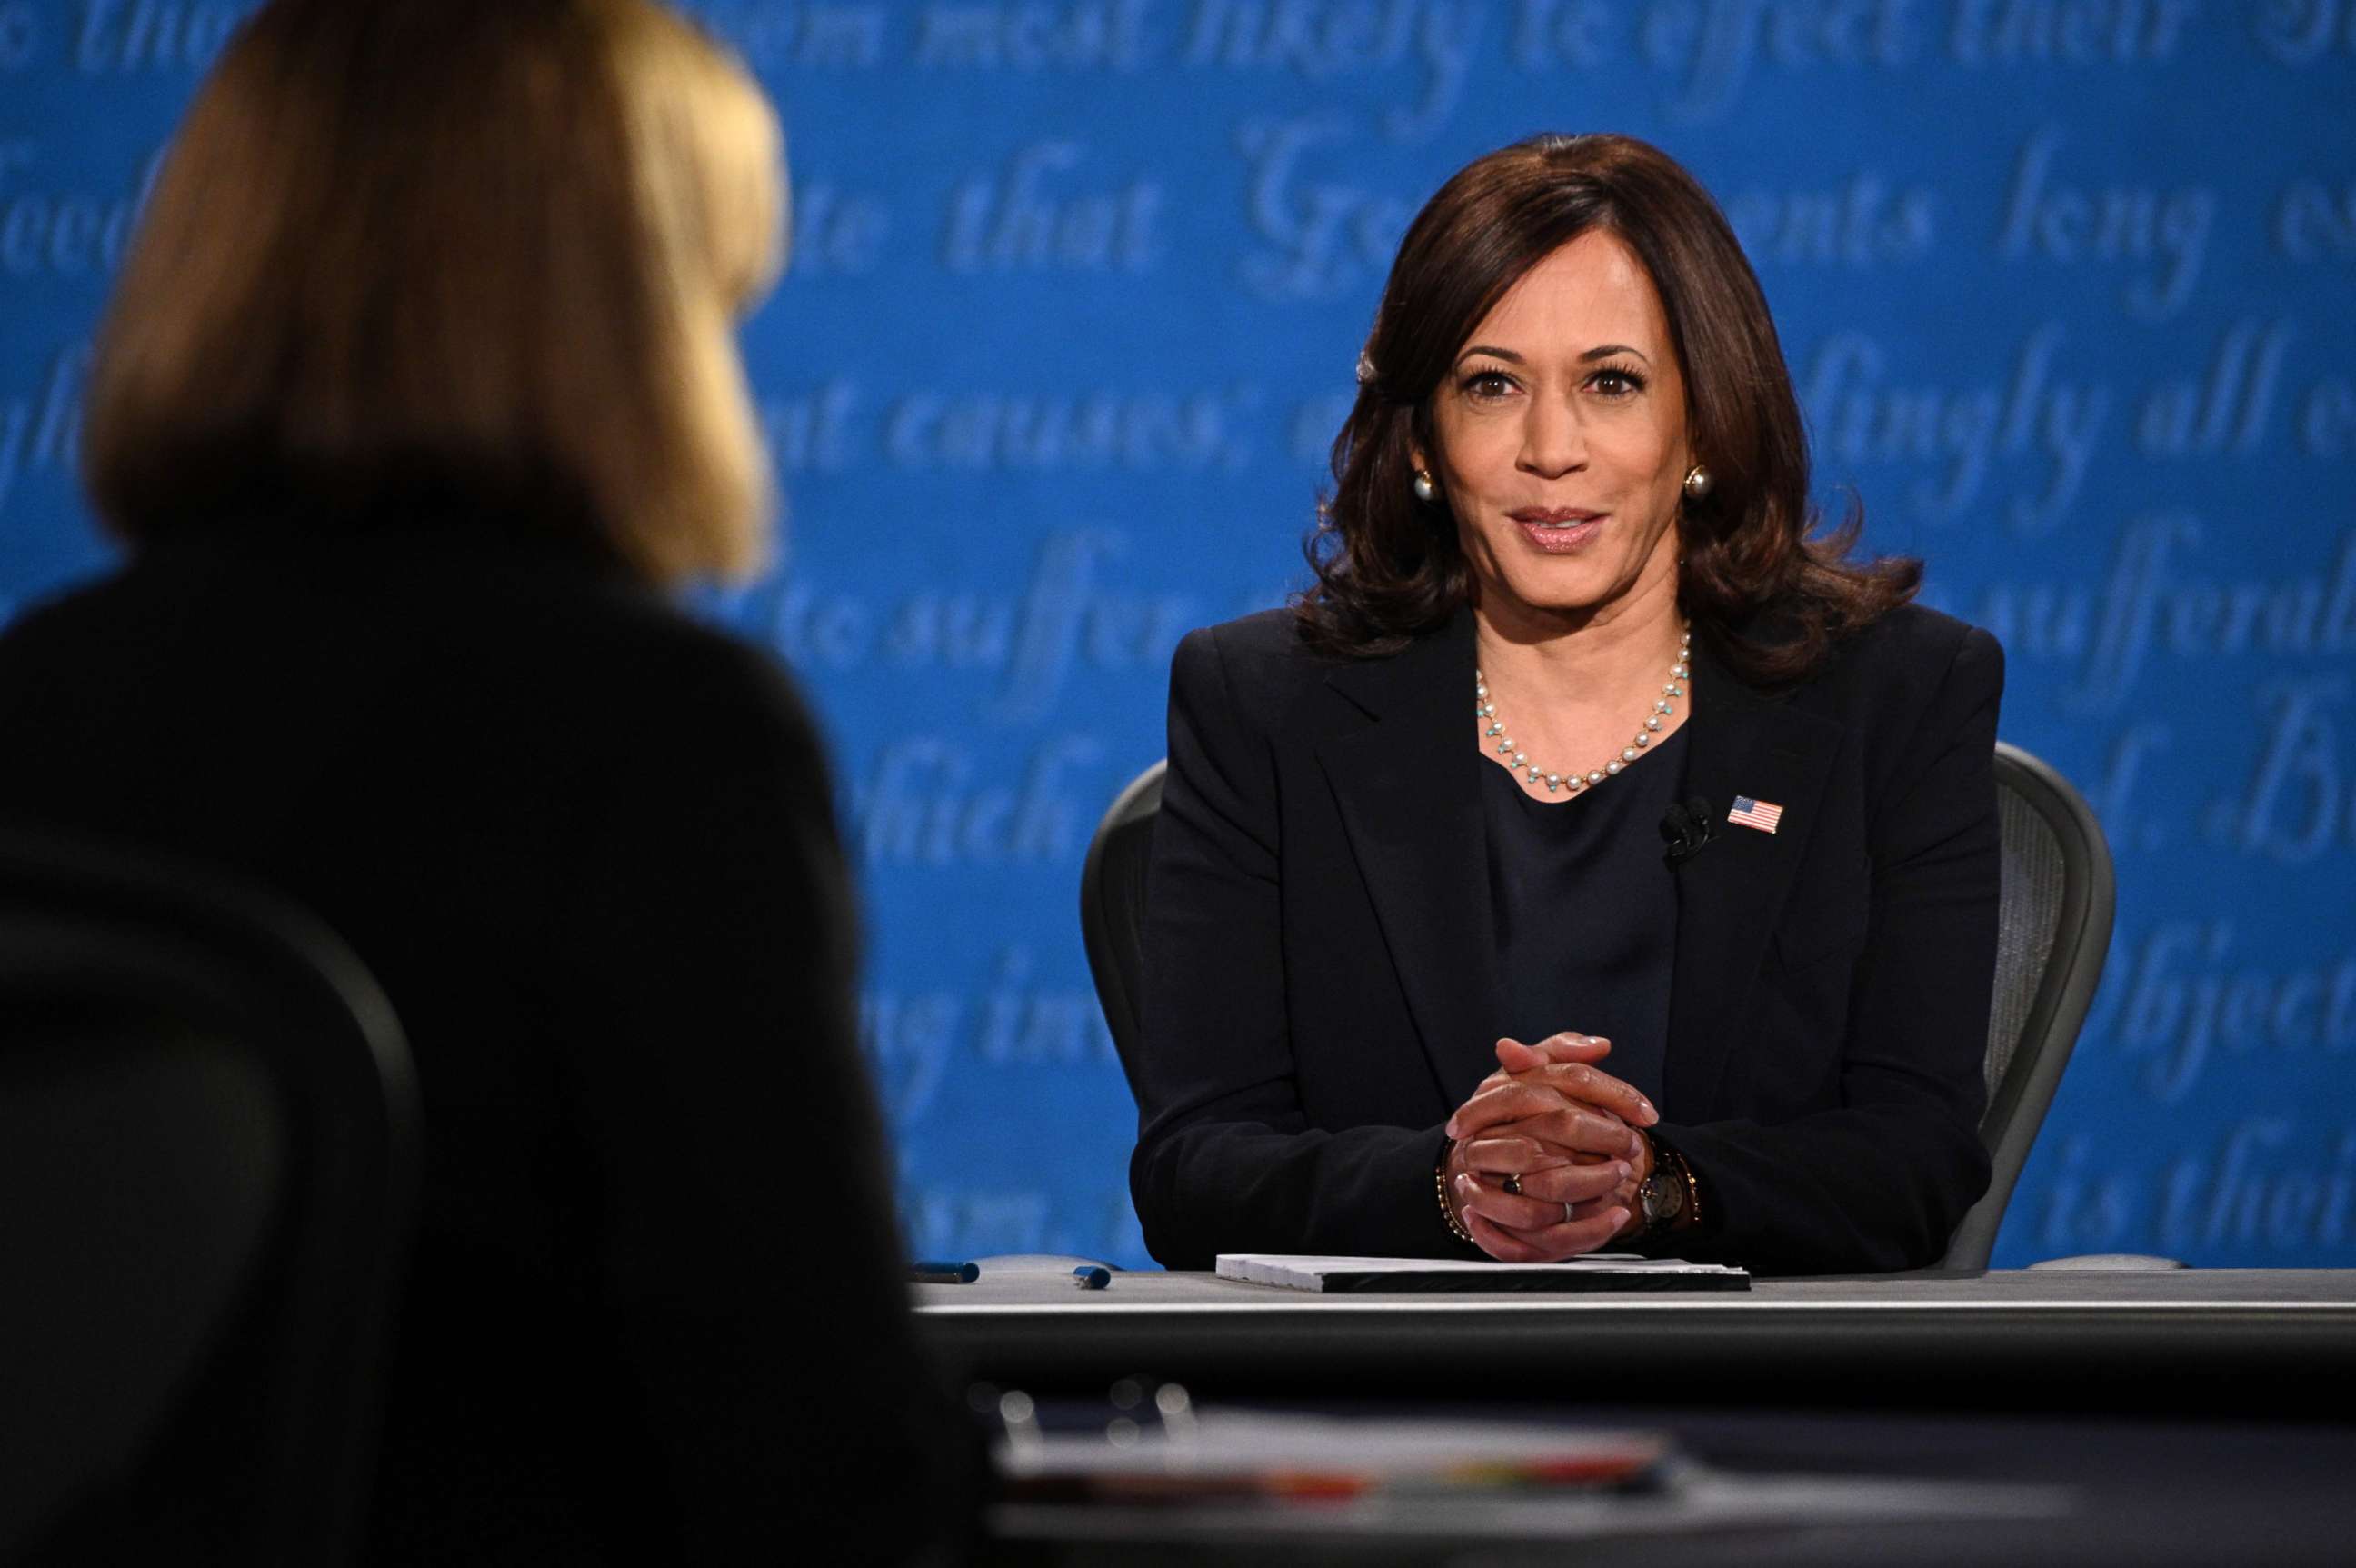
x,y
1447,1210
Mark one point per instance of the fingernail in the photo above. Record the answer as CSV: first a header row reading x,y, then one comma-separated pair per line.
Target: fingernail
x,y
1646,1107
1450,1128
1624,1170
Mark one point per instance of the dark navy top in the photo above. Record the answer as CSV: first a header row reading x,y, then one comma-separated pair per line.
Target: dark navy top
x,y
1586,911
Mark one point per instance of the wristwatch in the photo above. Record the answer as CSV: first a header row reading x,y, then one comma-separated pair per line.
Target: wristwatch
x,y
1666,1190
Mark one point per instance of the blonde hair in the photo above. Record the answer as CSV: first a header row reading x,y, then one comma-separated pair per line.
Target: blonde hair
x,y
499,241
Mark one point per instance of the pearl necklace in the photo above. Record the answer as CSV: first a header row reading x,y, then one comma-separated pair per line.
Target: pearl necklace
x,y
1663,706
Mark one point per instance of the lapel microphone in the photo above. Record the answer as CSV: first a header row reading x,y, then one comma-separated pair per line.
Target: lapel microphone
x,y
1684,828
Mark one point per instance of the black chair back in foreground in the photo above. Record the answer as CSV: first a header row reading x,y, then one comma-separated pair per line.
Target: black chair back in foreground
x,y
209,1163
2053,932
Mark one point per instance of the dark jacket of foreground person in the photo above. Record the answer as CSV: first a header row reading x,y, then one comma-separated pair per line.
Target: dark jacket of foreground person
x,y
656,1310
1319,852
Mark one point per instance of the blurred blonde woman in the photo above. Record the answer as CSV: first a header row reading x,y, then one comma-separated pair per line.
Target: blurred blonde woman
x,y
417,390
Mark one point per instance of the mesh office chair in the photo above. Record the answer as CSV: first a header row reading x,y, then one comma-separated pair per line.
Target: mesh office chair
x,y
2052,935
208,1154
1112,909
2053,932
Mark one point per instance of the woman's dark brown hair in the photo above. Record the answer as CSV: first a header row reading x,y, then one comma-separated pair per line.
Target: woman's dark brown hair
x,y
1390,567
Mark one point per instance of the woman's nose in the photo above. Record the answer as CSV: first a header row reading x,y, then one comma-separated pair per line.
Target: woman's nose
x,y
1553,441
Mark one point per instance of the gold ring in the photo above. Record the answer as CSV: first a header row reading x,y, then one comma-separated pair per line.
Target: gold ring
x,y
1513,1184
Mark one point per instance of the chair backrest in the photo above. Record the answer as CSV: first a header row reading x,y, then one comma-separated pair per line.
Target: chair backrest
x,y
2053,932
209,1161
2055,906
1112,908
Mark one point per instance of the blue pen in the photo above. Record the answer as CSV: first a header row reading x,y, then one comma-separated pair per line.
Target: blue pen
x,y
935,1274
1092,1276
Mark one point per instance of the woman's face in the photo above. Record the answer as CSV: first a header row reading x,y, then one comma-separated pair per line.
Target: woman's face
x,y
1561,431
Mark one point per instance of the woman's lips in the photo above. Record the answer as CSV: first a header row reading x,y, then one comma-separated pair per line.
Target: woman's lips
x,y
1558,532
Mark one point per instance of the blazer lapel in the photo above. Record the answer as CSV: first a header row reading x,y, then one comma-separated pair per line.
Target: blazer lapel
x,y
1409,794
1741,742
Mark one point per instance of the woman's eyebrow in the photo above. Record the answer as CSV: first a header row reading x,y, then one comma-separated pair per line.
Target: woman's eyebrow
x,y
1601,352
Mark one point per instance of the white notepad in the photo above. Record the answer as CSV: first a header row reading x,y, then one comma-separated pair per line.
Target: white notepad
x,y
1596,1272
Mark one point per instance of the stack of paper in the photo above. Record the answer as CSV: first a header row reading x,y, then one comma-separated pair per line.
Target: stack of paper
x,y
1276,1455
1596,1272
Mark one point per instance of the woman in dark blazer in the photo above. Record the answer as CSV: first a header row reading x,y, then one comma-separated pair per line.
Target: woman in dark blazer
x,y
1414,996
417,396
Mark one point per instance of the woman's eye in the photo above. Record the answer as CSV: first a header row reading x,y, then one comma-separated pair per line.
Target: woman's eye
x,y
1617,384
1488,384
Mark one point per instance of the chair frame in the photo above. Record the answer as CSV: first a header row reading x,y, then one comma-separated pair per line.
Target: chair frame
x,y
196,942
2066,992
1116,992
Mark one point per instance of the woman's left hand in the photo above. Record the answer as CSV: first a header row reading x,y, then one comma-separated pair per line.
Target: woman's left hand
x,y
1560,1067
1539,1171
1556,1210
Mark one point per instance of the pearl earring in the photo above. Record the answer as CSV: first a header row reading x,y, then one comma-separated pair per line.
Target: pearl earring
x,y
1697,482
1425,490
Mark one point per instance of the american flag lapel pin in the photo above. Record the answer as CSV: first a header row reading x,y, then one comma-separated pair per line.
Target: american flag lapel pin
x,y
1750,813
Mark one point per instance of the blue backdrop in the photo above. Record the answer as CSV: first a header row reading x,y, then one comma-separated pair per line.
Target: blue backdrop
x,y
1076,292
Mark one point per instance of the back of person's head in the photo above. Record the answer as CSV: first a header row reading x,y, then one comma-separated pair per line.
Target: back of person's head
x,y
494,245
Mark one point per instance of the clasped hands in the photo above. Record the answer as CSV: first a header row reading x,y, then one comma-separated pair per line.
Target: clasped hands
x,y
1563,1132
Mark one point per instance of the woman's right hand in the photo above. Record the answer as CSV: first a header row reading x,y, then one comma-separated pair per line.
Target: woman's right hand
x,y
1563,1208
1561,1129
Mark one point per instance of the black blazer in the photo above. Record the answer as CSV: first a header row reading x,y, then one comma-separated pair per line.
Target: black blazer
x,y
1321,981
657,1310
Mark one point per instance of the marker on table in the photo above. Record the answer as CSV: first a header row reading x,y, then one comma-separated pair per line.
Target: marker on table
x,y
1092,1276
922,1272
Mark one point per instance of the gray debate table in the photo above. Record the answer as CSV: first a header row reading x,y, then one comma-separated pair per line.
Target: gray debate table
x,y
2192,1341
2178,1418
